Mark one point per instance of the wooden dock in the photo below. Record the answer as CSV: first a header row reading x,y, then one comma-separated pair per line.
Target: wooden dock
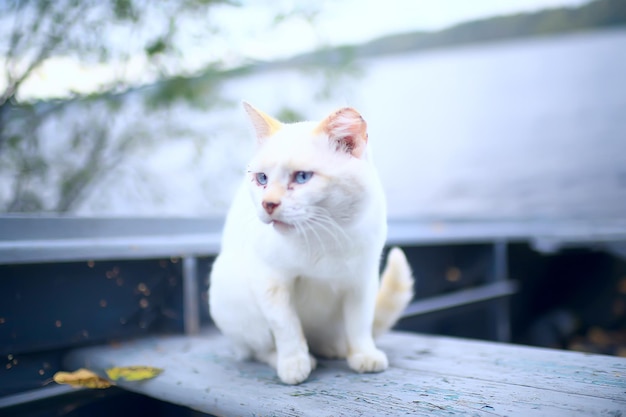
x,y
428,375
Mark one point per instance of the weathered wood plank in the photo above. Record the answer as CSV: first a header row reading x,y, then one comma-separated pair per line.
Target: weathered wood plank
x,y
428,375
546,369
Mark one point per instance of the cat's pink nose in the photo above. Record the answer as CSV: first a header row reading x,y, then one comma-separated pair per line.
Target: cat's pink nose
x,y
270,206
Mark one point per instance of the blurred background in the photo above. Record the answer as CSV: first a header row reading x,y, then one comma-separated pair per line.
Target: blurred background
x,y
484,110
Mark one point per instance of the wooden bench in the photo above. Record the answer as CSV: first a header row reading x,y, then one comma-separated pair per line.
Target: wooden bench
x,y
428,375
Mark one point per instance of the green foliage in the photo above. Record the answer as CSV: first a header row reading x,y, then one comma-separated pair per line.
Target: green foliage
x,y
158,46
196,91
289,115
31,32
125,10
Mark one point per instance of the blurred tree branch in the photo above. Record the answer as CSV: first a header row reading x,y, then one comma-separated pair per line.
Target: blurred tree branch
x,y
34,31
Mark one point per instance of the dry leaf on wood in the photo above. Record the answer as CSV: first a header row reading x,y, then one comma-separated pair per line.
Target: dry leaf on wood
x,y
132,373
81,378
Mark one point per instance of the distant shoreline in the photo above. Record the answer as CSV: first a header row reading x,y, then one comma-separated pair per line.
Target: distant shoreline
x,y
593,15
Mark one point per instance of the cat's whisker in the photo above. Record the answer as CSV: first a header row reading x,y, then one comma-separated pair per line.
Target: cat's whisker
x,y
314,224
324,221
310,225
302,232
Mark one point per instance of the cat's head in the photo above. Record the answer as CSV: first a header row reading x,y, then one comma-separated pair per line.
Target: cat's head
x,y
309,177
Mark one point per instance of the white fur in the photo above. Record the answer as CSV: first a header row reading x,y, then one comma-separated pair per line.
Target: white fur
x,y
279,292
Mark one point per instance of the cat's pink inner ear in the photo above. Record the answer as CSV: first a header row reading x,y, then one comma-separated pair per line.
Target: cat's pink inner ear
x,y
264,125
347,130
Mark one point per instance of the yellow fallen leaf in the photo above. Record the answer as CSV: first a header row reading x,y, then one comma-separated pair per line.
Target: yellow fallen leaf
x,y
81,378
133,373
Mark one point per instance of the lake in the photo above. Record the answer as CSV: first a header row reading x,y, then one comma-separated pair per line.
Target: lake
x,y
532,128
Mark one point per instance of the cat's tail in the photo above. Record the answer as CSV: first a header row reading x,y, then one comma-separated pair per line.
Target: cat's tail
x,y
395,292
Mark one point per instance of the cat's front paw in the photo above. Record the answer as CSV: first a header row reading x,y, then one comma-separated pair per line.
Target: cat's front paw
x,y
370,361
295,369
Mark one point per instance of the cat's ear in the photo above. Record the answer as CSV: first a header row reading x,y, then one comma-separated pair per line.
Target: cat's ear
x,y
264,125
347,130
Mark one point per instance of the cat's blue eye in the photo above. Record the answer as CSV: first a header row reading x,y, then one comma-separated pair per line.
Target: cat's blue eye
x,y
301,177
261,178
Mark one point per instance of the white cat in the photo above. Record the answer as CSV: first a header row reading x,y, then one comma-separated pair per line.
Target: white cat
x,y
298,268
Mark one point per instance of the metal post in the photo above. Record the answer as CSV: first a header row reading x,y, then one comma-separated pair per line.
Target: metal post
x,y
191,311
502,317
